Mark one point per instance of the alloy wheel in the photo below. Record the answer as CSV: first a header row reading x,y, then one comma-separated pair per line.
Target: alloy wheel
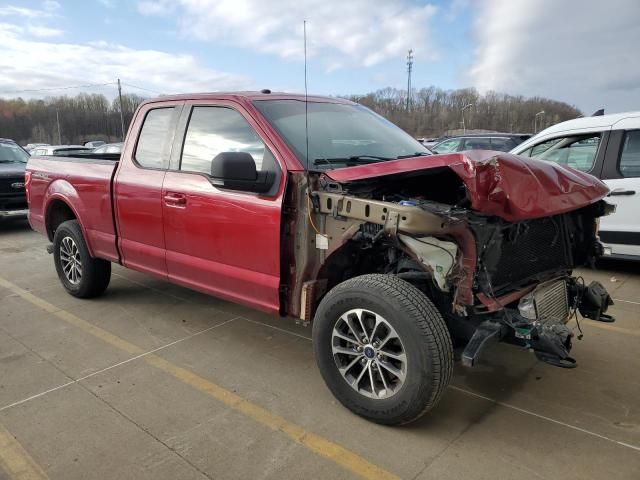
x,y
369,354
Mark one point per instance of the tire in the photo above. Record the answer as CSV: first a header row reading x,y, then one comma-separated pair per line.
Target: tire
x,y
423,342
89,276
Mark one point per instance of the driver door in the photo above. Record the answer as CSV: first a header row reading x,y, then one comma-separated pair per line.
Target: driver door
x,y
221,241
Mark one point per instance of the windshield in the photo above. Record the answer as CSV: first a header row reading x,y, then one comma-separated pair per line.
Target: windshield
x,y
12,153
339,134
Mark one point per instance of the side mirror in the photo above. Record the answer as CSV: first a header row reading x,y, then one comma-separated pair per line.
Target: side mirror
x,y
237,171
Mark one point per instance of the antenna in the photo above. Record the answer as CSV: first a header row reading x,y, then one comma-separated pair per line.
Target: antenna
x,y
306,95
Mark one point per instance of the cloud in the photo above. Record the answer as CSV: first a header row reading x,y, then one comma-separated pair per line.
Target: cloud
x,y
13,11
155,7
580,52
32,64
35,20
50,5
43,32
354,32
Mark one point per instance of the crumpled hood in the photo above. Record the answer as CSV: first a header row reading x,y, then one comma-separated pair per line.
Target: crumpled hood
x,y
508,186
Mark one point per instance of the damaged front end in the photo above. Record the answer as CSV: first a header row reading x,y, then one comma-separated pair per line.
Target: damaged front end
x,y
496,263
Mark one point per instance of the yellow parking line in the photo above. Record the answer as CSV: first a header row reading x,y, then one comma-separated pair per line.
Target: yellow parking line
x,y
315,443
15,461
613,328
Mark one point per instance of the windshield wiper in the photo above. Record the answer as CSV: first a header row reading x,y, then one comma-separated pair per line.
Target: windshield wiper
x,y
416,154
353,159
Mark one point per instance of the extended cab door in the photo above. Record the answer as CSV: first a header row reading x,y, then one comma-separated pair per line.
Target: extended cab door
x,y
138,188
222,238
620,232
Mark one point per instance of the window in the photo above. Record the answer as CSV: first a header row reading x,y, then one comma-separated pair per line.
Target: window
x,y
10,153
477,144
502,144
448,146
578,152
213,130
630,156
155,138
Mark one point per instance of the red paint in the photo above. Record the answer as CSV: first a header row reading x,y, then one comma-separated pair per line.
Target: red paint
x,y
495,304
85,188
514,188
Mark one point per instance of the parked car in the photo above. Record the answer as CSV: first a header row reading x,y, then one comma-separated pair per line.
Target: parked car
x,y
390,252
108,148
501,142
13,161
94,143
60,150
607,147
29,147
429,142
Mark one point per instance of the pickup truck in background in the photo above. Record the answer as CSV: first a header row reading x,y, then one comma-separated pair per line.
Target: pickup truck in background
x,y
13,161
321,210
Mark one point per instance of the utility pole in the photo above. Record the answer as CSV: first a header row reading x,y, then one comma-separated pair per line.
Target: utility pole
x,y
58,122
535,121
409,69
464,127
121,114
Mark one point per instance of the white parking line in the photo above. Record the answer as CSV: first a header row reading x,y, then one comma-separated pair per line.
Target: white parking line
x,y
625,301
543,417
489,399
136,357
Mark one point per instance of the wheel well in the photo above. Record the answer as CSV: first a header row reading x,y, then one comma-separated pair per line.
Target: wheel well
x,y
351,260
57,213
347,262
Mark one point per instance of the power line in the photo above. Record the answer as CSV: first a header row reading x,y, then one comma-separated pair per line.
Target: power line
x,y
142,88
70,87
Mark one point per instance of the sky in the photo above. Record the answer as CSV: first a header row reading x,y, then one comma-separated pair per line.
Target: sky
x,y
583,52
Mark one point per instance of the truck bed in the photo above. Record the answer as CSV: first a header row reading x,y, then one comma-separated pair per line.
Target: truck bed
x,y
86,178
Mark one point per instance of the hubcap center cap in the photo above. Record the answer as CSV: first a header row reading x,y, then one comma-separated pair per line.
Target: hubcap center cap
x,y
369,352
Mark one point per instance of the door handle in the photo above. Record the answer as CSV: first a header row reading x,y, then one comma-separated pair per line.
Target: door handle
x,y
175,199
617,192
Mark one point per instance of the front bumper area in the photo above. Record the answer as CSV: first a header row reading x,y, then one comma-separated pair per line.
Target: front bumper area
x,y
532,327
14,213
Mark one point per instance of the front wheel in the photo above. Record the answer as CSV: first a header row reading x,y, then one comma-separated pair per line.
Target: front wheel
x,y
80,274
382,348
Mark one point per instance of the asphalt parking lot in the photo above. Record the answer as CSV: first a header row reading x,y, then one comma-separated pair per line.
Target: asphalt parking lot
x,y
155,381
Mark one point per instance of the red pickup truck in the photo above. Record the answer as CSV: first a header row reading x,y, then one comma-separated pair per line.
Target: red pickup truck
x,y
319,209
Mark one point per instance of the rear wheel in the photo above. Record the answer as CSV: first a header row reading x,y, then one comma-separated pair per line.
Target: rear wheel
x,y
81,275
383,348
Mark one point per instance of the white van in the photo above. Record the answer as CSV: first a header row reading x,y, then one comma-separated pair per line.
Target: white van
x,y
607,147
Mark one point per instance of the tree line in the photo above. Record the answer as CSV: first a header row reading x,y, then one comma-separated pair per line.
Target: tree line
x,y
430,111
66,120
433,111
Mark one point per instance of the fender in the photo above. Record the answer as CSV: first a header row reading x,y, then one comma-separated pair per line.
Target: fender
x,y
62,190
